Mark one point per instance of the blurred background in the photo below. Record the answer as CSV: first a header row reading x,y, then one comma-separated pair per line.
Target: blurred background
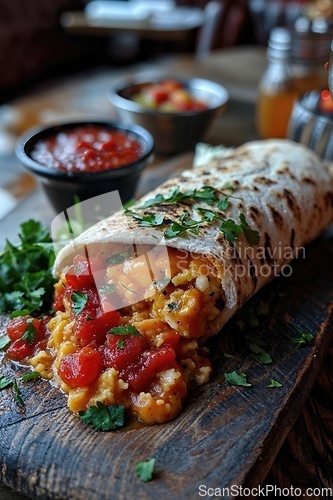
x,y
35,44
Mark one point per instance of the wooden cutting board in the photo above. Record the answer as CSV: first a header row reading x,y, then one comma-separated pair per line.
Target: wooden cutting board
x,y
226,436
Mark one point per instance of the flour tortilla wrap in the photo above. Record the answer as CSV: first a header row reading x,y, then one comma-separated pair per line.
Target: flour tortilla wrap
x,y
284,192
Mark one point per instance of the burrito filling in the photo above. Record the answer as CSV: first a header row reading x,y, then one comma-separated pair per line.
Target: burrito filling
x,y
145,355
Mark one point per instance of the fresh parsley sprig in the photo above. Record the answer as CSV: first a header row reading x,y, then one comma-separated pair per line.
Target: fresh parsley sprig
x,y
144,469
26,280
102,417
125,330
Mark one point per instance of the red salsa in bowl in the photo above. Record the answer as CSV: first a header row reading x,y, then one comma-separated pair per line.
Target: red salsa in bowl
x,y
84,159
88,148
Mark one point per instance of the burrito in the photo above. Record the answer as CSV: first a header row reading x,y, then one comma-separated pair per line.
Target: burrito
x,y
140,292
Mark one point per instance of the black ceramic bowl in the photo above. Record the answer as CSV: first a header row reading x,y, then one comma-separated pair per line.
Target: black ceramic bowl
x,y
64,187
174,131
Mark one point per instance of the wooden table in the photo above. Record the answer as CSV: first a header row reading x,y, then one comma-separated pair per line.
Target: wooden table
x,y
306,457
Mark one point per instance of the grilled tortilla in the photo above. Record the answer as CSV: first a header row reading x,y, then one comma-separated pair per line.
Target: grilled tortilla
x,y
271,198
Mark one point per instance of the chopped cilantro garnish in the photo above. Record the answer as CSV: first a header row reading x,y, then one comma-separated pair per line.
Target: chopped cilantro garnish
x,y
4,341
80,301
251,235
118,258
144,469
30,332
262,357
148,220
18,395
235,378
16,314
230,230
274,383
125,330
304,339
102,417
26,280
5,382
121,344
173,306
30,376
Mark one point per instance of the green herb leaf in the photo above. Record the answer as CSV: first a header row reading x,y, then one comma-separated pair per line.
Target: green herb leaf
x,y
235,378
228,356
230,186
173,306
26,280
80,301
30,376
144,469
251,235
121,344
102,417
304,339
274,383
230,230
148,220
18,395
223,203
30,332
262,357
118,258
4,341
125,330
16,314
206,193
5,382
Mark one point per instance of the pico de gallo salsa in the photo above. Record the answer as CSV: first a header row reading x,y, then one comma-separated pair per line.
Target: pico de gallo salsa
x,y
169,96
89,148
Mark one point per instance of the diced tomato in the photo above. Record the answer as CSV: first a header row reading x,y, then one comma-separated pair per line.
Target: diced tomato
x,y
80,274
17,327
120,357
94,328
151,362
81,368
158,93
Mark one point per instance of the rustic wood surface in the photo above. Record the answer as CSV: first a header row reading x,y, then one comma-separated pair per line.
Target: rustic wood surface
x,y
226,436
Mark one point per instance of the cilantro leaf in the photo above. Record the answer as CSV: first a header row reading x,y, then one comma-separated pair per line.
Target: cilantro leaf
x,y
30,376
144,469
148,220
274,383
304,339
4,341
30,332
262,357
102,417
235,378
80,301
5,382
18,395
16,314
251,235
223,203
230,230
125,330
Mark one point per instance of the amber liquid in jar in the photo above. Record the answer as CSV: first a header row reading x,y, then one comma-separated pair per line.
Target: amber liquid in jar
x,y
273,113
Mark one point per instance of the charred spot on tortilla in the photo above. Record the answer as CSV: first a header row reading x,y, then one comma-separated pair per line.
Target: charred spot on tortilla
x,y
292,203
264,180
278,219
292,238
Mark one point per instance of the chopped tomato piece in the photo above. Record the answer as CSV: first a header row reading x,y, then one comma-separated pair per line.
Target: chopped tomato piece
x,y
90,327
17,327
81,368
20,349
121,351
80,274
151,362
